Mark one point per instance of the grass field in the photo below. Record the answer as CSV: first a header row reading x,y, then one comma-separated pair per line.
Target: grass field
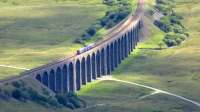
x,y
110,96
35,32
174,69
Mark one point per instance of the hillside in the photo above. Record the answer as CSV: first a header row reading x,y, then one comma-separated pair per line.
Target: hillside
x,y
35,32
173,69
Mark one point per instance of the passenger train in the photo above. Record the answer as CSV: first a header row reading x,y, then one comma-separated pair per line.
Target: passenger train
x,y
84,49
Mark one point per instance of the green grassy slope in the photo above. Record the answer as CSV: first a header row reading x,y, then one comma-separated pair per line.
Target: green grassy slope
x,y
44,2
15,106
35,32
110,96
173,69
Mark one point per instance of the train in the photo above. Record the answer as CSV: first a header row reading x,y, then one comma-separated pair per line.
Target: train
x,y
84,49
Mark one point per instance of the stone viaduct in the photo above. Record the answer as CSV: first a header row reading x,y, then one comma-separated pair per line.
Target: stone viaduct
x,y
68,75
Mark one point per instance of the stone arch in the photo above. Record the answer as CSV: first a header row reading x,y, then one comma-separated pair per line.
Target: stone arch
x,y
119,50
71,77
89,77
136,40
98,61
94,76
115,54
108,59
133,37
58,80
83,72
126,45
112,56
137,33
140,24
52,80
103,62
131,40
78,75
38,78
45,79
65,79
122,48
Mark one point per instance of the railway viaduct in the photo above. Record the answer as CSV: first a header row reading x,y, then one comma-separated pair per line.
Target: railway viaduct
x,y
69,74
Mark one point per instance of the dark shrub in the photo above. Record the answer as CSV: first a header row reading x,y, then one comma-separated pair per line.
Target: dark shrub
x,y
118,11
108,2
164,26
91,31
166,10
71,106
170,42
16,94
187,34
120,16
34,96
175,20
53,102
104,21
86,36
162,2
178,29
79,41
178,41
62,99
16,84
110,24
177,16
173,40
75,102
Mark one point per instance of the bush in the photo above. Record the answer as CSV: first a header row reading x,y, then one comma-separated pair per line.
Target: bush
x,y
79,41
62,100
110,24
18,84
164,26
177,16
178,40
70,105
108,2
75,102
91,31
166,10
53,102
166,2
104,21
186,34
170,22
175,20
170,42
173,40
69,100
116,13
178,29
16,94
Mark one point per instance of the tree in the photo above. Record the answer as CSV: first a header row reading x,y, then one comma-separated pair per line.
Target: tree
x,y
160,44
